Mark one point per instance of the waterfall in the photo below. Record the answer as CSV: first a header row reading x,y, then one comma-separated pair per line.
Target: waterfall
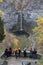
x,y
21,21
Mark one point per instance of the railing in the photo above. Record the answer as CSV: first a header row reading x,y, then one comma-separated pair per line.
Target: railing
x,y
28,54
3,62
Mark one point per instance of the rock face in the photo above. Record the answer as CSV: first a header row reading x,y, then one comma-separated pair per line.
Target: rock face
x,y
10,8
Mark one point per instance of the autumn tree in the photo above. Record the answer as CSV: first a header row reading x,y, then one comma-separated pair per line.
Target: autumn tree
x,y
38,35
1,30
38,31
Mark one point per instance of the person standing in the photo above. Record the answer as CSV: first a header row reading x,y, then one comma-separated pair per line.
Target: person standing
x,y
25,54
19,51
16,53
10,51
6,53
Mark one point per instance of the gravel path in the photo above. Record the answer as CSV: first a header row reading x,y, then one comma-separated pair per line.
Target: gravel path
x,y
14,61
18,61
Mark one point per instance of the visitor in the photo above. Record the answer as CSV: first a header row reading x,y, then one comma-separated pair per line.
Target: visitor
x,y
31,53
16,53
35,51
6,53
19,51
31,50
25,54
10,51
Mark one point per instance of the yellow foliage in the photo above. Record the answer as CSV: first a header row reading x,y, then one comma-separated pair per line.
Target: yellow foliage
x,y
39,39
40,20
1,12
40,25
35,29
1,0
39,30
5,32
16,42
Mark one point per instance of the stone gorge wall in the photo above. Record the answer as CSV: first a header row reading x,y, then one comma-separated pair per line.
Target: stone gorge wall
x,y
8,6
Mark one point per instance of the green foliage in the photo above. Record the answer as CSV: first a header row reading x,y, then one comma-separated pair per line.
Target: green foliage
x,y
40,62
1,30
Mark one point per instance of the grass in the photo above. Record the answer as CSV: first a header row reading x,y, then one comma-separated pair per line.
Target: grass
x,y
40,62
1,50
